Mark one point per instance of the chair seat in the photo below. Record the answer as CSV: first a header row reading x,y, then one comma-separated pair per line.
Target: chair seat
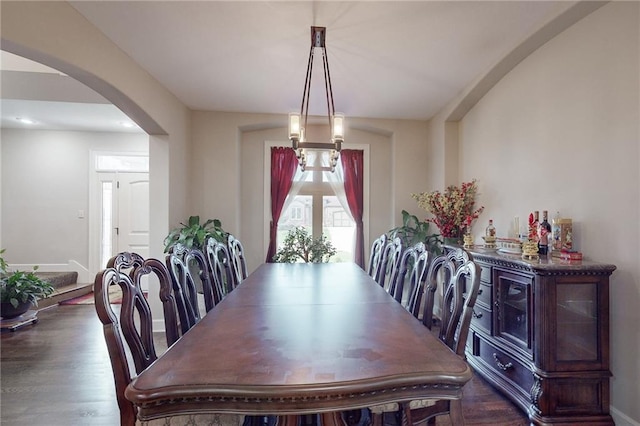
x,y
196,420
394,406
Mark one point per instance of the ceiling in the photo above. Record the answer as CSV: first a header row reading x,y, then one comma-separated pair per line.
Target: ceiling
x,y
388,59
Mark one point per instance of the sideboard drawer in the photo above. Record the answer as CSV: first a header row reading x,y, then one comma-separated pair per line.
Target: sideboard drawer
x,y
505,366
484,295
481,318
485,273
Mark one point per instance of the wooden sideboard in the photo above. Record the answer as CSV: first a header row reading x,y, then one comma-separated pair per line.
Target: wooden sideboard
x,y
540,333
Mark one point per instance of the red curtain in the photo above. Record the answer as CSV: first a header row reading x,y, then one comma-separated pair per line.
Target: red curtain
x,y
283,167
353,167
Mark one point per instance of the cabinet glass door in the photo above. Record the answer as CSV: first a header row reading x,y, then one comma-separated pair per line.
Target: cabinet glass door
x,y
577,322
514,316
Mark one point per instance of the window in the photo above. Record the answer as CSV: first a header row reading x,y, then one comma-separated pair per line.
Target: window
x,y
122,163
317,208
339,219
296,212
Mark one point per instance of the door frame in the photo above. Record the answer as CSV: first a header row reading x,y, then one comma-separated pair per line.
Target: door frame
x,y
95,203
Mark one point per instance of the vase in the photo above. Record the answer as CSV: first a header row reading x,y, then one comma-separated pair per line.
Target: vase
x,y
7,311
453,241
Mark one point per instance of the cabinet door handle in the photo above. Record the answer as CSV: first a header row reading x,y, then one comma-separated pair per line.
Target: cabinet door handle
x,y
503,367
479,292
476,315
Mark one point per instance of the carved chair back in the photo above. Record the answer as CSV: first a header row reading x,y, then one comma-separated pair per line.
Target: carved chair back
x,y
220,269
238,261
190,275
391,258
439,275
458,300
129,262
375,258
407,275
415,265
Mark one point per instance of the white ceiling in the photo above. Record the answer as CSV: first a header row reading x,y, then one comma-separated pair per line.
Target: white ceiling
x,y
388,59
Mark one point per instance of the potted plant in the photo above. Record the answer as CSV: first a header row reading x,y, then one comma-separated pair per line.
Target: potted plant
x,y
194,234
298,245
413,231
20,290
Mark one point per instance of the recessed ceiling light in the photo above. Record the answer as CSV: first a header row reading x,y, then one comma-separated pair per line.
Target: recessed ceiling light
x,y
127,124
25,120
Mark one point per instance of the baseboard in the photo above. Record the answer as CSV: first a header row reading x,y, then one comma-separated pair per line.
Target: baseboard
x,y
621,419
72,266
158,326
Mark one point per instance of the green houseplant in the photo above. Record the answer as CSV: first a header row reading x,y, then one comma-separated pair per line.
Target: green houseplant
x,y
413,231
194,234
20,290
298,245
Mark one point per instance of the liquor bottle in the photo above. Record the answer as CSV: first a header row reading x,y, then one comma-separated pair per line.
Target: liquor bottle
x,y
543,231
490,235
491,230
533,231
556,244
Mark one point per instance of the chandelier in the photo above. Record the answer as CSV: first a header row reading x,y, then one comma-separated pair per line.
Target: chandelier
x,y
298,122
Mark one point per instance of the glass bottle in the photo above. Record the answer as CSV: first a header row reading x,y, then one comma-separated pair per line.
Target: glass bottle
x,y
533,231
556,244
490,235
544,229
491,230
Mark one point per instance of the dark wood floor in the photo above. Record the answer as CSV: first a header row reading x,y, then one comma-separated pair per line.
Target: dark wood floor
x,y
57,373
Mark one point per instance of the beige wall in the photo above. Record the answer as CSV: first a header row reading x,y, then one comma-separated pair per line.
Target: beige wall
x,y
56,35
228,159
561,132
45,182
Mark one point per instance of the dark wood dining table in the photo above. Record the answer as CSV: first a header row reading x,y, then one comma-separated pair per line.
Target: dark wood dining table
x,y
297,339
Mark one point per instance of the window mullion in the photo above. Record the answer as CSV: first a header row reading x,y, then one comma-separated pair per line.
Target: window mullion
x,y
317,214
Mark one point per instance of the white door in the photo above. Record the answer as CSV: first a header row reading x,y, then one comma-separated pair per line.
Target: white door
x,y
124,214
132,219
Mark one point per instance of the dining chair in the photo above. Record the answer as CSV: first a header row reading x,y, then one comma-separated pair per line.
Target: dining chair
x,y
375,257
129,262
408,283
459,297
459,277
418,266
220,269
391,258
129,337
458,256
190,276
238,261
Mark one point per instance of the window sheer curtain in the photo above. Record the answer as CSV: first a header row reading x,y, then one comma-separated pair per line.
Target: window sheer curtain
x,y
283,167
353,169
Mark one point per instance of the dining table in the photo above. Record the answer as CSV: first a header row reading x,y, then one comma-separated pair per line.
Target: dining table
x,y
299,339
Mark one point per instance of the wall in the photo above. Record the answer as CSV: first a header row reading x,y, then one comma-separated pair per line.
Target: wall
x,y
45,181
228,170
561,132
55,34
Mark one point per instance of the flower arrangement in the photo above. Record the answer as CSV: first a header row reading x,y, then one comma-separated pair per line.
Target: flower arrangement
x,y
454,210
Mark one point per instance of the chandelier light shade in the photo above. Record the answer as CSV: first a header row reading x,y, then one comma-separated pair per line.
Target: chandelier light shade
x,y
298,121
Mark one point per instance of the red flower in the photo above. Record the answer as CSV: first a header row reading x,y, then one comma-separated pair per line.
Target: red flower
x,y
453,211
